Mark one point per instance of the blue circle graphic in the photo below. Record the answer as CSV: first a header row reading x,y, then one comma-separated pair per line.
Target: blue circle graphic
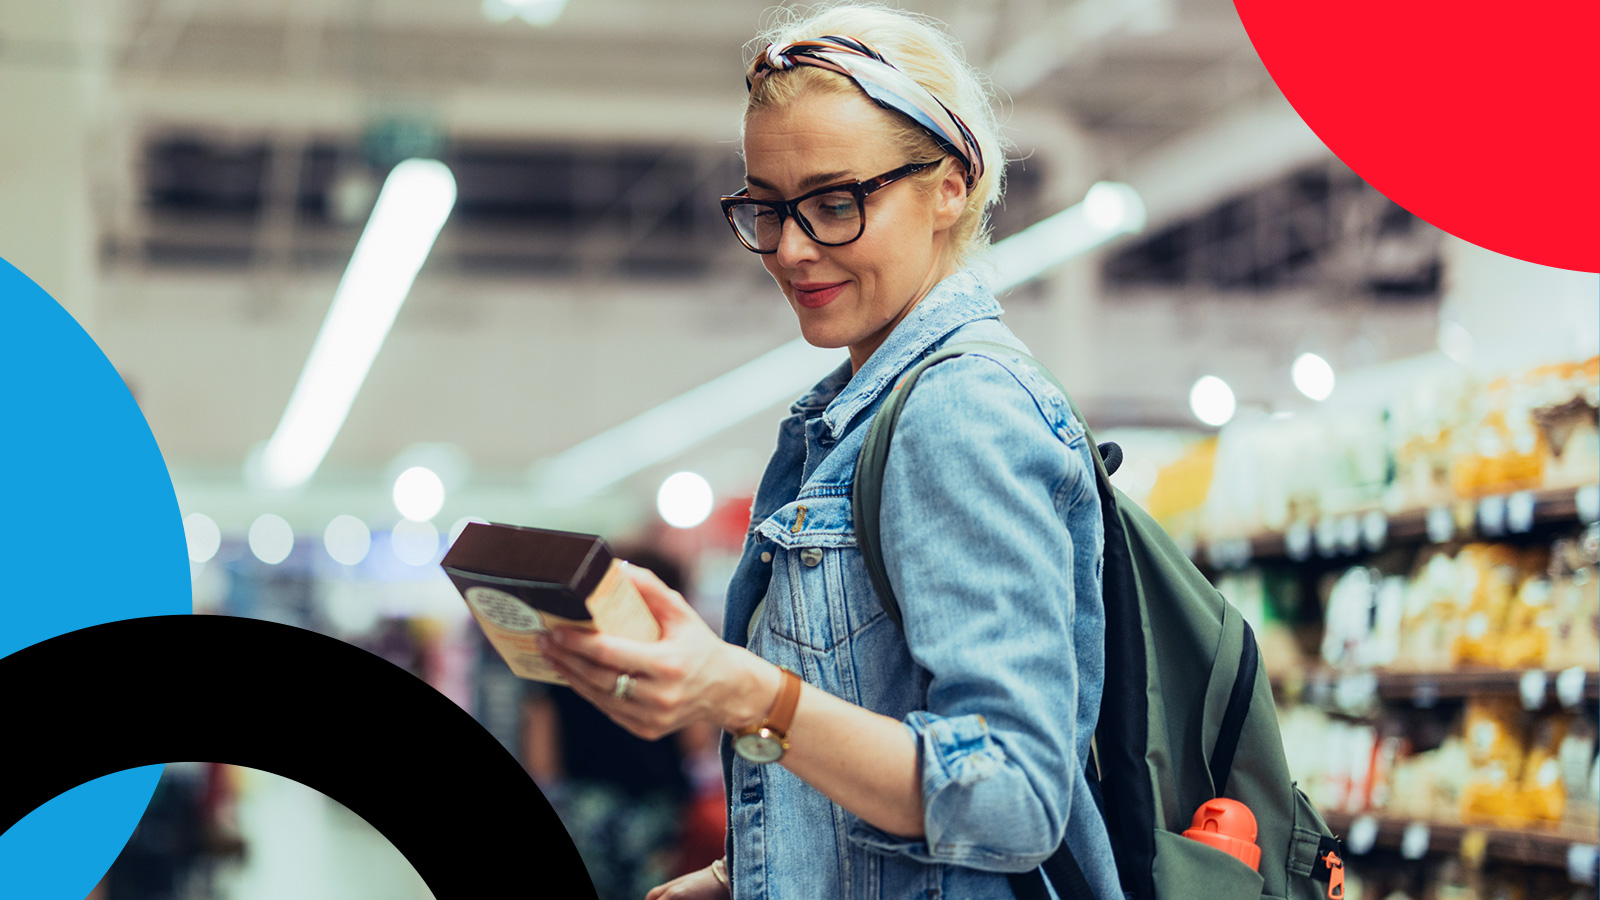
x,y
91,534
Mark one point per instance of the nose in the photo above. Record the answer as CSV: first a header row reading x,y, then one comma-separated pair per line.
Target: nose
x,y
794,245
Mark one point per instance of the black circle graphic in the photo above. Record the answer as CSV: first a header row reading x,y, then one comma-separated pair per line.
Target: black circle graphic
x,y
295,703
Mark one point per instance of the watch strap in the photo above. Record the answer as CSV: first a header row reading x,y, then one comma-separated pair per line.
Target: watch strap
x,y
782,714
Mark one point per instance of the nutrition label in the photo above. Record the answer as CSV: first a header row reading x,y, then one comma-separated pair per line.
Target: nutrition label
x,y
504,610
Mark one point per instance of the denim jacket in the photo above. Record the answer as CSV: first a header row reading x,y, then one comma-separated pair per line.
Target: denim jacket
x,y
993,541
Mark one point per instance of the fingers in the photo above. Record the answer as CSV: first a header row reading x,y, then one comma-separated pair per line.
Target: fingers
x,y
627,713
579,667
698,885
599,650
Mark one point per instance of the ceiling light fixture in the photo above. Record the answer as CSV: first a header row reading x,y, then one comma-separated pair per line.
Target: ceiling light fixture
x,y
1212,401
534,12
1312,376
684,500
411,208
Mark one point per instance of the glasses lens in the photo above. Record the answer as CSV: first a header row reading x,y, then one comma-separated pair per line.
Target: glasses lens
x,y
834,217
758,225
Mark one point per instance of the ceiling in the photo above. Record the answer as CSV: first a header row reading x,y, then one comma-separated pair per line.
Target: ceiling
x,y
515,365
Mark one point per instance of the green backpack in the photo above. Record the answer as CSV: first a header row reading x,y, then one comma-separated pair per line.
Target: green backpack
x,y
1186,716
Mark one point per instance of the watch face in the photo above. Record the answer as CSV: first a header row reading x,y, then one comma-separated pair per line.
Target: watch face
x,y
759,747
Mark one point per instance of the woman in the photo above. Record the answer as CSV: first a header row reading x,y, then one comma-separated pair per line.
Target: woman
x,y
863,760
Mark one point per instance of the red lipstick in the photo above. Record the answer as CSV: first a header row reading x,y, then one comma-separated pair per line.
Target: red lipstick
x,y
817,294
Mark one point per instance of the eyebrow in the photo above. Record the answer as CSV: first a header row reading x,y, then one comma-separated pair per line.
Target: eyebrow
x,y
807,183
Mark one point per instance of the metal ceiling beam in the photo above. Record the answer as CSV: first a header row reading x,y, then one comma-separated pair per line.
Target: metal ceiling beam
x,y
573,115
1250,146
1070,30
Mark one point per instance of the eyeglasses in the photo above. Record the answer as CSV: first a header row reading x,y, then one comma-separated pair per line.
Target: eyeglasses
x,y
832,216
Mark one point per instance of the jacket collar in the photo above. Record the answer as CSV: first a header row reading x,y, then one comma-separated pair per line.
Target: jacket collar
x,y
956,301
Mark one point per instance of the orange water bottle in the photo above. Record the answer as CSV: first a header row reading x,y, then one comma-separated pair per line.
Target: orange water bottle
x,y
1229,826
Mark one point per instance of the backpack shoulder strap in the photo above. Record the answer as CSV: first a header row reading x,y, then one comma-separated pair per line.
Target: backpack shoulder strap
x,y
866,493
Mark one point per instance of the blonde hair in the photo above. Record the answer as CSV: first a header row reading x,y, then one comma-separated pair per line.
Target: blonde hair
x,y
920,47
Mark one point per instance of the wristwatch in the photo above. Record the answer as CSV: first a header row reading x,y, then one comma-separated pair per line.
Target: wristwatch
x,y
767,742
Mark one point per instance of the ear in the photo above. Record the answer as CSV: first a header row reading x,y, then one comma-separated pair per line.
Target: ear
x,y
950,196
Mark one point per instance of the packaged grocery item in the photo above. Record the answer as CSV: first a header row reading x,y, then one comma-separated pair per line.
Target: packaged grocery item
x,y
1576,759
1356,463
1428,786
1387,754
1486,577
1388,614
1348,625
1563,402
1360,747
1431,620
1504,451
1423,424
1574,610
1496,748
1365,612
1181,488
1542,795
1525,639
518,581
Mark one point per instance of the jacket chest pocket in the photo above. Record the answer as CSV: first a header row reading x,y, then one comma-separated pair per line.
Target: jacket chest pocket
x,y
820,593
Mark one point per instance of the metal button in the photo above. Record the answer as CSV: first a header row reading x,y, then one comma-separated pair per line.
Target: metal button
x,y
766,556
811,556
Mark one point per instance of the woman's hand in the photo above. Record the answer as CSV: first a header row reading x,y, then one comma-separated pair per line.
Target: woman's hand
x,y
688,675
699,885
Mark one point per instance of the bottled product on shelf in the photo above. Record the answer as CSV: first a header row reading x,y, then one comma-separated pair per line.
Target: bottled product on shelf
x,y
1474,607
1436,436
1499,766
1495,605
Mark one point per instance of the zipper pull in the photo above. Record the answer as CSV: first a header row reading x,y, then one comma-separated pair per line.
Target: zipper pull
x,y
1335,875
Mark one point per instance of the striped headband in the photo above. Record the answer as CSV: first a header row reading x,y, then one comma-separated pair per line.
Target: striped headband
x,y
884,84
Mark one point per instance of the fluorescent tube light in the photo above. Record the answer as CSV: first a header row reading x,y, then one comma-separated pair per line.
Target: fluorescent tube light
x,y
674,426
415,200
534,12
1108,210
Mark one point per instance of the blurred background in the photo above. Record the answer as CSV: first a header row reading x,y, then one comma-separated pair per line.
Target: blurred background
x,y
1379,439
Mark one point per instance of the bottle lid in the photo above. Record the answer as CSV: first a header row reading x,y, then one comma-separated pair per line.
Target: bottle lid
x,y
1229,826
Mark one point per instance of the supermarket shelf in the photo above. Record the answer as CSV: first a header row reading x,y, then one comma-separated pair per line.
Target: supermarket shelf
x,y
1472,682
1536,687
1366,531
1547,848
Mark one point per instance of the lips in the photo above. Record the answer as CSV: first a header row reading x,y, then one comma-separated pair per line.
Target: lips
x,y
816,294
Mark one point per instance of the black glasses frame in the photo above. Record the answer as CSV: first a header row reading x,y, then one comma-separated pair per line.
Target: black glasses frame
x,y
787,208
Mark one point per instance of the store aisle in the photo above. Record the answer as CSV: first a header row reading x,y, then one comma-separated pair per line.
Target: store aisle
x,y
303,844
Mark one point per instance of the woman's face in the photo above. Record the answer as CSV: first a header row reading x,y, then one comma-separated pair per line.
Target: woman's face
x,y
850,296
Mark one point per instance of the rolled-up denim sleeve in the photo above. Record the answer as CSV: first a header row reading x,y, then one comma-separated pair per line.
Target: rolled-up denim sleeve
x,y
982,480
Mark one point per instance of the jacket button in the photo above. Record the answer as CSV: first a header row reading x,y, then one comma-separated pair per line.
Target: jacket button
x,y
811,556
766,556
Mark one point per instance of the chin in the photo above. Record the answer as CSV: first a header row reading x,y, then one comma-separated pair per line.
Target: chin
x,y
824,338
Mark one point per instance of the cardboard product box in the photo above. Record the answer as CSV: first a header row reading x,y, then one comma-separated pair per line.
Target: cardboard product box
x,y
518,581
